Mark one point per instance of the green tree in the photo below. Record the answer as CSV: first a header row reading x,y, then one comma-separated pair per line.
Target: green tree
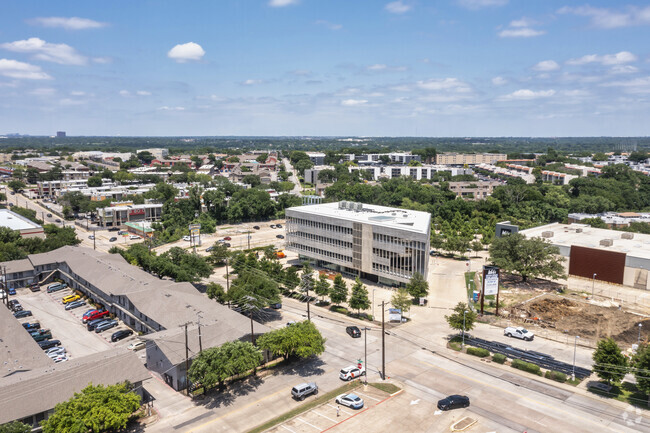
x,y
15,427
219,254
217,292
599,156
641,364
16,185
339,292
359,296
216,364
95,409
477,246
303,165
301,339
291,278
418,287
401,299
609,362
455,320
534,257
94,181
322,287
146,157
262,158
252,179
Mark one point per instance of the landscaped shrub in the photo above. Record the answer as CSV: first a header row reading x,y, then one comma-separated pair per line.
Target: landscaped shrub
x,y
478,351
499,358
526,366
557,376
339,309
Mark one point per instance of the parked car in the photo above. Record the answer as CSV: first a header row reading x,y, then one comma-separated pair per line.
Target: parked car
x,y
272,226
41,334
137,345
113,239
35,288
113,229
95,315
227,244
31,326
92,324
106,325
12,304
120,335
227,238
518,332
256,227
60,358
55,351
75,304
351,372
280,237
70,298
21,314
350,400
11,291
91,237
279,226
122,232
3,294
276,306
353,331
208,249
48,344
55,287
57,220
299,392
187,238
134,237
453,402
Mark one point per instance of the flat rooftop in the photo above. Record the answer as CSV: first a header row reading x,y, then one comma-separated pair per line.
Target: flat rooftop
x,y
583,235
16,222
402,219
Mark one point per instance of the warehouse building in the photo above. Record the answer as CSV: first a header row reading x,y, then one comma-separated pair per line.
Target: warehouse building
x,y
26,227
382,244
606,255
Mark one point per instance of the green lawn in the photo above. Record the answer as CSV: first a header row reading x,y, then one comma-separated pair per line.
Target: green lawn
x,y
625,392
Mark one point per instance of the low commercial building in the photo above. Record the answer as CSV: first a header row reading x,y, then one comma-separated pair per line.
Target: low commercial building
x,y
311,174
418,172
118,214
557,178
26,227
612,219
527,177
382,244
469,158
607,255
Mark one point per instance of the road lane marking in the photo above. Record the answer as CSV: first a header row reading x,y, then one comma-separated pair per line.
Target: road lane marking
x,y
341,409
284,426
320,414
367,396
302,420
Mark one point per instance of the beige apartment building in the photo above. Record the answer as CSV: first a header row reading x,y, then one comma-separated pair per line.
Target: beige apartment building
x,y
469,158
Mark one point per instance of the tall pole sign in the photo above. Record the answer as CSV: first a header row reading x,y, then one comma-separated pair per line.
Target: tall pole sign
x,y
490,285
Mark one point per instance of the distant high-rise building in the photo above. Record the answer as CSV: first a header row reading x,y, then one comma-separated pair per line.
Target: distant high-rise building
x,y
60,134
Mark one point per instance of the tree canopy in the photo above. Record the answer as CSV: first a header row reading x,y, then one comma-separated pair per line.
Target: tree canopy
x,y
458,322
216,364
301,339
609,362
534,257
339,291
418,287
359,296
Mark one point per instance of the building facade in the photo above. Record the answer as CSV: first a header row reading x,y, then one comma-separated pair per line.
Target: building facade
x,y
469,158
418,172
382,244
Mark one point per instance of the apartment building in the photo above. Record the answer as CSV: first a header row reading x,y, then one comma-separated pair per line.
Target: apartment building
x,y
557,177
311,174
382,244
475,190
417,173
469,158
318,158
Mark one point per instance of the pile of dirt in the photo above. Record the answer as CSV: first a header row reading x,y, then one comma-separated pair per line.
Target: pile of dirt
x,y
586,320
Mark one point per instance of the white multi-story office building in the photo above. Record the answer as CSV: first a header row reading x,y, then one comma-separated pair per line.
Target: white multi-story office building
x,y
418,173
382,244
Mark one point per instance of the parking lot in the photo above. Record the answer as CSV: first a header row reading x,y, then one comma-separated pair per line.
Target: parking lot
x,y
66,325
325,417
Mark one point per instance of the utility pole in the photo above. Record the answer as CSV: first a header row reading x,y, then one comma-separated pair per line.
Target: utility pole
x,y
308,298
365,351
249,241
383,344
252,333
200,342
187,362
94,244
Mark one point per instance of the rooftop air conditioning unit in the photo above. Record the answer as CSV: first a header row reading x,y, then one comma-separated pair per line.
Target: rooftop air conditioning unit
x,y
606,242
627,236
547,234
578,230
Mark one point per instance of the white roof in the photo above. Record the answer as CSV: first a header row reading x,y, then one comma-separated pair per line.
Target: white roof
x,y
16,222
401,219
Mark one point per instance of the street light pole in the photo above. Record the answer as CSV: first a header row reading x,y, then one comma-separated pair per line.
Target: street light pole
x,y
575,344
373,304
464,312
365,351
639,340
593,284
383,344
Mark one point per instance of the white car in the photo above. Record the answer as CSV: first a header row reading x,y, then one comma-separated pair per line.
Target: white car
x,y
518,332
137,345
187,238
350,400
351,372
134,237
60,358
53,352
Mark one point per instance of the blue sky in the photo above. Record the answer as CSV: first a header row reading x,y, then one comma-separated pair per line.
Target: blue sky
x,y
325,67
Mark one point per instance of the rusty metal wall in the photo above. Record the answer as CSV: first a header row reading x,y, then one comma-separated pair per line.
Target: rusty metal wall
x,y
608,265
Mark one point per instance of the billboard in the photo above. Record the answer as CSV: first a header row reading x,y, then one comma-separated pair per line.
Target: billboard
x,y
490,280
394,315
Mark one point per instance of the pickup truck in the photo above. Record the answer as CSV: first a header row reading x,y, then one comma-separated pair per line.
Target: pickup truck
x,y
32,326
41,334
518,332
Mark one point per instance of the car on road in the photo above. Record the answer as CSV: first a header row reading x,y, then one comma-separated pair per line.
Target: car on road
x,y
105,325
70,298
113,239
57,220
256,227
351,372
137,345
75,304
120,335
272,226
11,291
293,322
453,402
48,344
518,332
279,236
21,314
134,237
299,392
353,331
31,326
279,226
122,232
208,249
350,400
113,229
55,351
91,237
187,238
227,238
276,306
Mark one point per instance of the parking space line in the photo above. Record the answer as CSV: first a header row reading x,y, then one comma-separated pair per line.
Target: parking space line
x,y
342,410
282,425
367,396
326,417
302,420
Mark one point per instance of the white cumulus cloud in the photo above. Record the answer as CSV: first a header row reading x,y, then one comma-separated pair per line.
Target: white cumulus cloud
x,y
125,93
353,102
607,59
546,66
68,23
166,108
15,69
527,94
480,4
499,81
453,84
611,19
186,52
282,3
43,91
520,32
397,7
143,93
251,82
58,53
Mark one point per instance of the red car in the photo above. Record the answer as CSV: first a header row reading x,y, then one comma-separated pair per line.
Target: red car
x,y
97,314
227,238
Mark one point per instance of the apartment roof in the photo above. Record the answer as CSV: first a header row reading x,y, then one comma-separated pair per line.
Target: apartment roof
x,y
401,219
16,222
40,390
19,352
23,265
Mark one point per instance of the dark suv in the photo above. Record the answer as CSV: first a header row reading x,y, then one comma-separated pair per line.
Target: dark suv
x,y
353,331
299,392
